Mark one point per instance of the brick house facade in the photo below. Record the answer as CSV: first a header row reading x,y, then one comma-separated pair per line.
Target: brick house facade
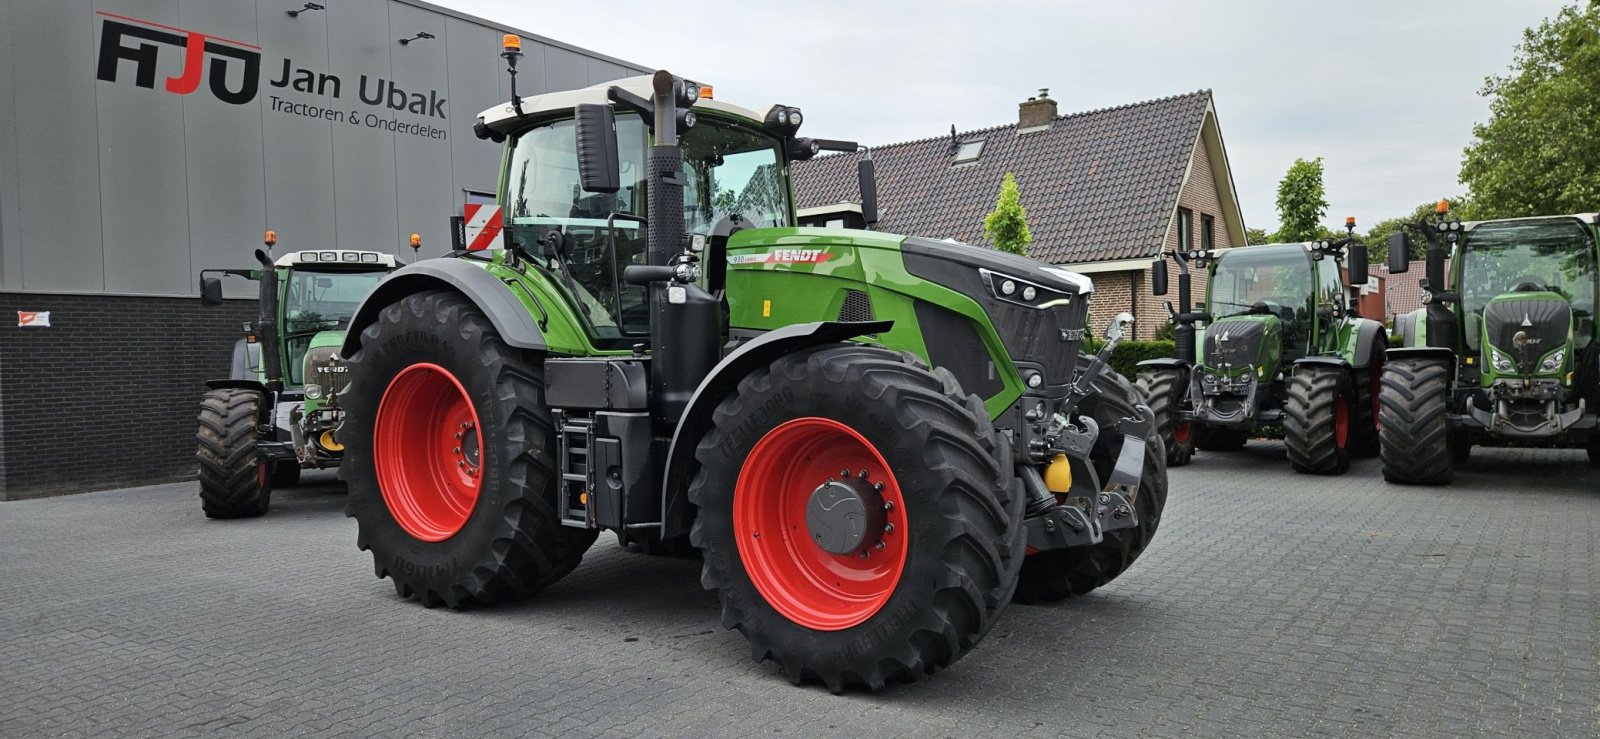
x,y
1105,191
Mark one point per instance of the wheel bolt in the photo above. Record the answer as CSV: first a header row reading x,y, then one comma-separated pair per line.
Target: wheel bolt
x,y
863,474
879,487
888,505
844,473
456,450
878,546
461,463
888,528
865,554
458,434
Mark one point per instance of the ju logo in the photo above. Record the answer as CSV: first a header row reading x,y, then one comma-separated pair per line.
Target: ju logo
x,y
125,39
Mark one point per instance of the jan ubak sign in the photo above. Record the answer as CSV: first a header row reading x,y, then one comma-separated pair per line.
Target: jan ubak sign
x,y
231,71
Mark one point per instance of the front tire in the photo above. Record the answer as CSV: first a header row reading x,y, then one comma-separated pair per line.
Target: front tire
x,y
1163,390
451,458
1414,429
1368,381
1061,573
935,561
235,479
1316,419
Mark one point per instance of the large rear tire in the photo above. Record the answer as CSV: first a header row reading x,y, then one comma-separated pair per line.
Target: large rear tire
x,y
929,568
1061,573
235,479
451,458
1163,390
1316,419
1413,425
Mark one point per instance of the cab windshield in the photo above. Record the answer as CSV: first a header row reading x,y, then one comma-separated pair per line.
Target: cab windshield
x,y
728,169
316,301
1265,280
1556,255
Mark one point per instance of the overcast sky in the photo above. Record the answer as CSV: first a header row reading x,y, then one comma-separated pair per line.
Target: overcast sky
x,y
1384,90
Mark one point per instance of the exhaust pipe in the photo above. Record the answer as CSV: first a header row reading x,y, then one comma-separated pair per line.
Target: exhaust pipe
x,y
267,322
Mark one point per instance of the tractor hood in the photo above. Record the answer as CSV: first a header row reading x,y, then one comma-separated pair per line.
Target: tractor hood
x,y
1243,343
325,370
1524,332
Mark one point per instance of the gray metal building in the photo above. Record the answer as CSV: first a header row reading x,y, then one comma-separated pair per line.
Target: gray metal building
x,y
142,141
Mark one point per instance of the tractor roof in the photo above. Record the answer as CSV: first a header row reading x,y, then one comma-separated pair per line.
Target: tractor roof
x,y
503,117
1588,218
343,258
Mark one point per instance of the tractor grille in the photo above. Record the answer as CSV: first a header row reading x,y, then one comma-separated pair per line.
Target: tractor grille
x,y
325,369
1234,343
1527,329
857,306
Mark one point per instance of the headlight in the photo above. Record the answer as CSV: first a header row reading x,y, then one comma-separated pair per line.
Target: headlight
x,y
1554,361
1501,362
313,391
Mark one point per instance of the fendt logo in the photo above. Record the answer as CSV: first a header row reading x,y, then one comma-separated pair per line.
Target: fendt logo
x,y
147,40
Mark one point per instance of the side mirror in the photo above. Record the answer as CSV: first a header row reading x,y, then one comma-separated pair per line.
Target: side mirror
x,y
597,148
1158,277
867,179
1356,261
210,291
1399,260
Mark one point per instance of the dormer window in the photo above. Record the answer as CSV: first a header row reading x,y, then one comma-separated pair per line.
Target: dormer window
x,y
968,151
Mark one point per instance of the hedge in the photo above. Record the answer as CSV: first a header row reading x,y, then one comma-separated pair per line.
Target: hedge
x,y
1128,354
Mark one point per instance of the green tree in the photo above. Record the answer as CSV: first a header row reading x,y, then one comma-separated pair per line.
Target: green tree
x,y
1538,155
1302,202
1254,236
1007,226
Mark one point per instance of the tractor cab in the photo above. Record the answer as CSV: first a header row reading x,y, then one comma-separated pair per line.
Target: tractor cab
x,y
319,292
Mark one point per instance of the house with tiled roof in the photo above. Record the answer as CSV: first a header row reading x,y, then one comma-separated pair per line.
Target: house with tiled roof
x,y
1105,191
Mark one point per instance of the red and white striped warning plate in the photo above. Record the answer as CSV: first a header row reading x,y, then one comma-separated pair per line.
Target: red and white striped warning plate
x,y
483,225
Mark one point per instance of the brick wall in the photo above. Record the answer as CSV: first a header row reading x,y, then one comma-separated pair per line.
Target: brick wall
x,y
107,395
1130,291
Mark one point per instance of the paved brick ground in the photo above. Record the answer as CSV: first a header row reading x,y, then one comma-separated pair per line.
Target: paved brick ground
x,y
1270,603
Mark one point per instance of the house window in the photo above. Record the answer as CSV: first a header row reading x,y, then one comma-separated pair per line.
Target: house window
x,y
968,151
1208,239
1185,229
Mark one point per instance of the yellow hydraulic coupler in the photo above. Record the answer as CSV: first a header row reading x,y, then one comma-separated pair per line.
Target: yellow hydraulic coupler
x,y
1058,476
330,442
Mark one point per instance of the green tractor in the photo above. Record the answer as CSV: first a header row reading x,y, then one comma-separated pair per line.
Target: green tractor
x,y
874,441
278,410
1278,344
1505,354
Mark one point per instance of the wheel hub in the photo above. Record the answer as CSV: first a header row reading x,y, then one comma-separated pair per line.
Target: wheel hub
x,y
844,516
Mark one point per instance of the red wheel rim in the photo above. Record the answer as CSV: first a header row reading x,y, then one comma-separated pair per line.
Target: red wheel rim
x,y
807,584
427,447
1341,421
1180,433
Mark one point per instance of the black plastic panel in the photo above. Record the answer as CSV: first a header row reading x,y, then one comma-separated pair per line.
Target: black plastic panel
x,y
610,384
954,344
1527,329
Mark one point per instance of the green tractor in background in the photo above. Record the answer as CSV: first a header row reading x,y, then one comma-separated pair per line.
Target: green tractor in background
x,y
1279,343
278,410
874,441
1504,354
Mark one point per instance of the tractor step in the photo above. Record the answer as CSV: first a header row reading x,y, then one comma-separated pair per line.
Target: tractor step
x,y
572,451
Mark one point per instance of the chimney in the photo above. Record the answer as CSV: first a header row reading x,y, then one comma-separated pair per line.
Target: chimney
x,y
1036,113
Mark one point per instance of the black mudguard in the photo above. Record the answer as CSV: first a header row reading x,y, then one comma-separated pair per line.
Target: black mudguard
x,y
511,320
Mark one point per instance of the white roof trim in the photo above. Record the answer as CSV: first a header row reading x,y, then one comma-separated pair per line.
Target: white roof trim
x,y
1114,265
504,116
822,210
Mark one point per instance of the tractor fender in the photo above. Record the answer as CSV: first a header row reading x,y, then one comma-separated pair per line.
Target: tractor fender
x,y
511,320
1321,361
238,384
723,378
1164,362
1419,352
1365,332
